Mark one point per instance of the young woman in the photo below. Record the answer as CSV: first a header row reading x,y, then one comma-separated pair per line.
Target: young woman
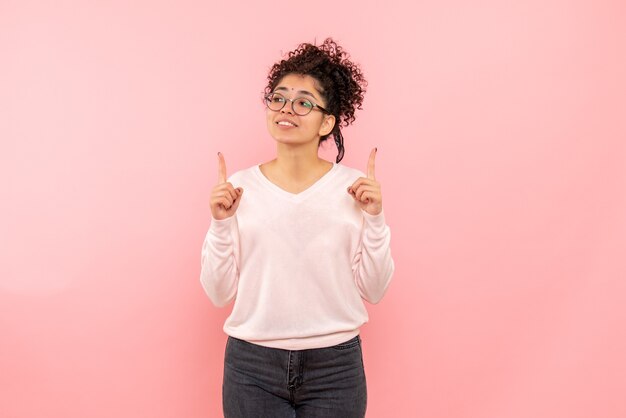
x,y
298,242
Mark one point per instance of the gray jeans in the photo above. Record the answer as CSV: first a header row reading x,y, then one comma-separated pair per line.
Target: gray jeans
x,y
271,382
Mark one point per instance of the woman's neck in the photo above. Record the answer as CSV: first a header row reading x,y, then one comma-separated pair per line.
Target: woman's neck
x,y
298,163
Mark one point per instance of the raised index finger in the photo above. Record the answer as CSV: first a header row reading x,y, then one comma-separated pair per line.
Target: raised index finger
x,y
370,165
221,170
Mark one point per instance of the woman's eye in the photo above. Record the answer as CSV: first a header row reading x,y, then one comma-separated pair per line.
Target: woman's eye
x,y
305,103
277,99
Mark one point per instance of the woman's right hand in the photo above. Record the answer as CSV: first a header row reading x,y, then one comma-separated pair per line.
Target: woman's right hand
x,y
224,197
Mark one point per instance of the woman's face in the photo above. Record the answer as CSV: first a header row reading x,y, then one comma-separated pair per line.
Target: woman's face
x,y
307,128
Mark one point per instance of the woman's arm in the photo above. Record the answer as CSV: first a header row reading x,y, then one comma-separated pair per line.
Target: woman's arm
x,y
372,265
220,260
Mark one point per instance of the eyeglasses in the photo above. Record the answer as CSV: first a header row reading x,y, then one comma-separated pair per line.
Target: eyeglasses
x,y
300,105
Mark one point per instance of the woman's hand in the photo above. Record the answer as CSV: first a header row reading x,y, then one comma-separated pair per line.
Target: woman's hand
x,y
366,190
224,197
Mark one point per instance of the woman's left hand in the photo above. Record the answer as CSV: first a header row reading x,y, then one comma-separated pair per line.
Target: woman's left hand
x,y
366,190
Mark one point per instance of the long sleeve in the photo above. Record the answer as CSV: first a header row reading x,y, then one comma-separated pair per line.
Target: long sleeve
x,y
372,265
220,260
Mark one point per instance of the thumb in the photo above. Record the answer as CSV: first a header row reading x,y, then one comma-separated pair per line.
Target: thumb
x,y
235,205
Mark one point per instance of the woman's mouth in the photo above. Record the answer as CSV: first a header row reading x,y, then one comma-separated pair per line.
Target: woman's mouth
x,y
285,126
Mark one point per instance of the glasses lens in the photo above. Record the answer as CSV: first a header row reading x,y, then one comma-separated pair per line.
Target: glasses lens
x,y
275,101
302,106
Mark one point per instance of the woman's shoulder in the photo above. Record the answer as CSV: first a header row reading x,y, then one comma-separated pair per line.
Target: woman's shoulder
x,y
349,172
243,173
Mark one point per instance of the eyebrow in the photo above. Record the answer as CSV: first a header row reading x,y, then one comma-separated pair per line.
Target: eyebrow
x,y
299,91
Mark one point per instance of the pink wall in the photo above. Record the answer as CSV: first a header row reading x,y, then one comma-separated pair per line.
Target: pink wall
x,y
501,137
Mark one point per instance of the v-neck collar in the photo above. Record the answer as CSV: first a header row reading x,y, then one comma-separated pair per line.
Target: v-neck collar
x,y
297,197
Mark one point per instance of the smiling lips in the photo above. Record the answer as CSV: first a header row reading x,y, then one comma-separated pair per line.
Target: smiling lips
x,y
286,123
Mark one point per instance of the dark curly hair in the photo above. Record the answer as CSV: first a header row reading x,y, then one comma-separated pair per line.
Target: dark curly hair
x,y
341,82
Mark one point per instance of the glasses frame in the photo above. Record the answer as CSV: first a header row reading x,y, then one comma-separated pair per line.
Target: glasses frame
x,y
315,105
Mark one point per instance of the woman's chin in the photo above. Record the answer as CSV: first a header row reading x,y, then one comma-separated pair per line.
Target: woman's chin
x,y
287,140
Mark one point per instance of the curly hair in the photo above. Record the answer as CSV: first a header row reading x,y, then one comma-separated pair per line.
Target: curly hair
x,y
340,81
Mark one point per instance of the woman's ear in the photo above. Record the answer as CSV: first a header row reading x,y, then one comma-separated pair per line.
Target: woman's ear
x,y
327,125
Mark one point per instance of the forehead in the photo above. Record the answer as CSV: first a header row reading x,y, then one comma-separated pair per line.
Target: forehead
x,y
296,82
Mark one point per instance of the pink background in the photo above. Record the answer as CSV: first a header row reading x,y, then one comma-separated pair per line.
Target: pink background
x,y
502,154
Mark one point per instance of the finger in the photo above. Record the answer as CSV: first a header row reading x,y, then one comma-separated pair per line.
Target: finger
x,y
224,202
225,193
228,197
367,197
221,170
370,164
361,181
363,189
225,189
228,187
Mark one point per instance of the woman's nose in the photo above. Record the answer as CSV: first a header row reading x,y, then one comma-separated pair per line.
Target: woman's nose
x,y
288,107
